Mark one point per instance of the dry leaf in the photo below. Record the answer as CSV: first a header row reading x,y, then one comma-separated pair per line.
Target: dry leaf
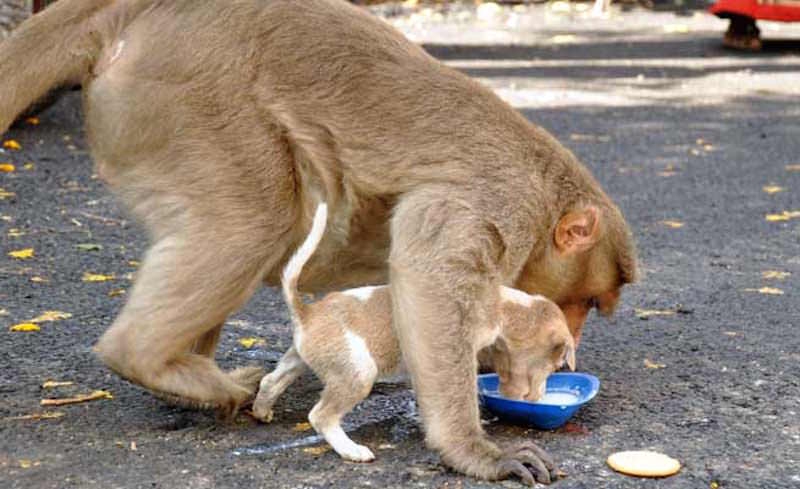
x,y
22,254
89,247
27,464
251,342
133,446
7,168
34,121
133,263
783,216
647,313
15,233
772,189
51,384
51,316
39,280
766,290
38,416
653,365
24,328
29,166
730,333
673,224
94,396
116,292
590,137
96,277
302,427
318,450
792,167
12,144
4,194
3,312
774,274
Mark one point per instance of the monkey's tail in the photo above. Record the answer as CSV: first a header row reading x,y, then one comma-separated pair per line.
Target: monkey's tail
x,y
291,273
51,49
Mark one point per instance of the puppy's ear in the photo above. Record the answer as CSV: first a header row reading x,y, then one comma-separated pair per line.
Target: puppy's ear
x,y
577,231
569,355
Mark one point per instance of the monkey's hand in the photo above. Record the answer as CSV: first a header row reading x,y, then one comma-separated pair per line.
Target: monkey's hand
x,y
483,459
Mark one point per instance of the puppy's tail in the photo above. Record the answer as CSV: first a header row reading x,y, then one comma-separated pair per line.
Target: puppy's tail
x,y
52,49
291,273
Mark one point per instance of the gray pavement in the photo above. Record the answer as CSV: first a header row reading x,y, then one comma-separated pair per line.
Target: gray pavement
x,y
684,135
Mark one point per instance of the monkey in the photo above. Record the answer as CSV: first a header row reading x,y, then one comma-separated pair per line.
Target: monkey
x,y
220,124
346,338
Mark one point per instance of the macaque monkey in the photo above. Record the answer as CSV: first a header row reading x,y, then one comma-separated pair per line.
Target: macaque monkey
x,y
346,338
220,124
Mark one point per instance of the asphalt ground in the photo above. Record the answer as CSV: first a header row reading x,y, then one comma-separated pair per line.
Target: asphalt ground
x,y
695,143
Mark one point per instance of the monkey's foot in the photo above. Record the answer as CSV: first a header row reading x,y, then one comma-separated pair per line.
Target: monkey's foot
x,y
247,377
527,461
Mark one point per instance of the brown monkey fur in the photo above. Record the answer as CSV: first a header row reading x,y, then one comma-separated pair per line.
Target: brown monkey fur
x,y
346,338
220,124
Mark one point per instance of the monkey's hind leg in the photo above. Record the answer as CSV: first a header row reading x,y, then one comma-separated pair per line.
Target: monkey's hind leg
x,y
174,310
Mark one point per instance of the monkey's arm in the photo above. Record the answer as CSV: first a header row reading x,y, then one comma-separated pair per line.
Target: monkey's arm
x,y
444,275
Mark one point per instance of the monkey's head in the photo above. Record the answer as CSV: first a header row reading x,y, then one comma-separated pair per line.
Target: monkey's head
x,y
534,342
589,257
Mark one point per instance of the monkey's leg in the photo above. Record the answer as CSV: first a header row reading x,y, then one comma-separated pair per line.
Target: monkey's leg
x,y
338,398
444,272
207,344
174,304
273,385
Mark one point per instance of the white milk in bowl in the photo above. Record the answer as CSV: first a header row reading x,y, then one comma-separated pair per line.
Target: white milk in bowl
x,y
558,398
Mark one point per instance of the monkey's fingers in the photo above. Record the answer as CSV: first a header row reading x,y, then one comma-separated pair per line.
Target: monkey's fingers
x,y
539,452
534,464
509,466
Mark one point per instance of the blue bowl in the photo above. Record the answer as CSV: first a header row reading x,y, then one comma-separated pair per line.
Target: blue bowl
x,y
544,414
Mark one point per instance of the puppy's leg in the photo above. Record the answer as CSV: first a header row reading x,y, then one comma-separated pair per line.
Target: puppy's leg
x,y
273,385
206,345
338,398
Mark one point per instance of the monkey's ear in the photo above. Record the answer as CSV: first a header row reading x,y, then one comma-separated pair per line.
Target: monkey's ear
x,y
578,231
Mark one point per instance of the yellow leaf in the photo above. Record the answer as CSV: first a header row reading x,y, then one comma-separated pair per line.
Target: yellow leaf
x,y
25,328
51,316
133,263
4,194
676,28
95,277
29,166
116,292
34,121
653,365
672,224
7,167
94,396
302,427
792,167
22,254
27,464
318,450
251,342
39,280
766,290
15,233
772,189
646,313
12,144
51,384
774,274
783,216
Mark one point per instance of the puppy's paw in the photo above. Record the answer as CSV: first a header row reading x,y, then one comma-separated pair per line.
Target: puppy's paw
x,y
357,453
262,411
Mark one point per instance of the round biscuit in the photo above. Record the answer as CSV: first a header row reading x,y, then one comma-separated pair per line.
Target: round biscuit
x,y
643,463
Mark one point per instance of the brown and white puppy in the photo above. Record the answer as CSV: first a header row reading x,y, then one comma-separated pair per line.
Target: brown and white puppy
x,y
347,340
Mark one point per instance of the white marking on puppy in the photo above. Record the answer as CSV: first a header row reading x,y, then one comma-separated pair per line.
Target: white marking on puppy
x,y
363,363
361,293
517,296
117,51
345,447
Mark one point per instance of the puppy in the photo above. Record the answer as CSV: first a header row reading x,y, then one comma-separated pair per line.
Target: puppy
x,y
347,340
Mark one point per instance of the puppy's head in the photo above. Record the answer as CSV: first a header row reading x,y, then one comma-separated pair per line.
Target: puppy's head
x,y
534,342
